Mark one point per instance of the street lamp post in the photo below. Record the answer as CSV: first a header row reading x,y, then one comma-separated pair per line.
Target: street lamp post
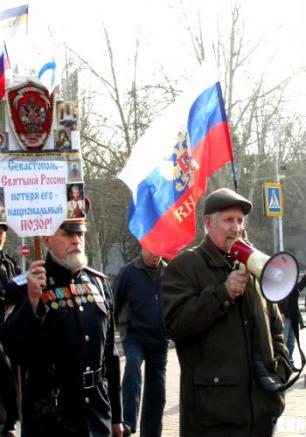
x,y
279,220
277,225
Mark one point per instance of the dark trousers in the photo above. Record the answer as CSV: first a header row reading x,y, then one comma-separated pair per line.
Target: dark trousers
x,y
8,392
154,393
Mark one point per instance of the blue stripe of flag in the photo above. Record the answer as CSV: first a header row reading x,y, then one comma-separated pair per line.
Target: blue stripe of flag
x,y
14,12
155,194
1,64
2,78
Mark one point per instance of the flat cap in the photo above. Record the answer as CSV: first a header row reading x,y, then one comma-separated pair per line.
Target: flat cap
x,y
224,198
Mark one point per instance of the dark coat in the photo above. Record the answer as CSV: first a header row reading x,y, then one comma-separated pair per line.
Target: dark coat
x,y
215,339
137,303
8,269
8,395
72,332
289,307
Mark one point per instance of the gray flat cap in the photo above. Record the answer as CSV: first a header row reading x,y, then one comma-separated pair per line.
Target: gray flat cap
x,y
224,198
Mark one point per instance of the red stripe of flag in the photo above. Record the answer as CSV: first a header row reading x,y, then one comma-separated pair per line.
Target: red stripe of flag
x,y
211,153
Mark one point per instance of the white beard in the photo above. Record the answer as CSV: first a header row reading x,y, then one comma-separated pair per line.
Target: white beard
x,y
72,261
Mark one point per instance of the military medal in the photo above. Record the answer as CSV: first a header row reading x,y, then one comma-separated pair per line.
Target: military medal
x,y
54,305
74,289
77,300
70,303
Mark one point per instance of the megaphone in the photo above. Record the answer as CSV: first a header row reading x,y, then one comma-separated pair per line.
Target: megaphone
x,y
277,274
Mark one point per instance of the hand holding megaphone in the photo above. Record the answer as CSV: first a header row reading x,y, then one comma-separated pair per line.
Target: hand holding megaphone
x,y
236,283
277,274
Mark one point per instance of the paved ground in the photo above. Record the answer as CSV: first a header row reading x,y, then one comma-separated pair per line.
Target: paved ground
x,y
291,424
293,421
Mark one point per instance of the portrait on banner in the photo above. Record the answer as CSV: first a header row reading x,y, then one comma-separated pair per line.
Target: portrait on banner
x,y
67,115
62,140
76,201
74,171
3,142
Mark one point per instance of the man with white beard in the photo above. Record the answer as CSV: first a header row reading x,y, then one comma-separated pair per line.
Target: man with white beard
x,y
60,328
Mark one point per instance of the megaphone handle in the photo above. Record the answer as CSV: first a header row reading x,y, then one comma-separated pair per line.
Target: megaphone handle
x,y
236,265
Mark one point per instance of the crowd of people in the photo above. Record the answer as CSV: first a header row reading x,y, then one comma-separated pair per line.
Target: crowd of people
x,y
58,322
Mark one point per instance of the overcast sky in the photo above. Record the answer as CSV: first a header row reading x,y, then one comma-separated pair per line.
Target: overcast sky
x,y
163,39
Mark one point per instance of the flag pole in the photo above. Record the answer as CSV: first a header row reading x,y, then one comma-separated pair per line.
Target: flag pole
x,y
234,174
7,56
228,136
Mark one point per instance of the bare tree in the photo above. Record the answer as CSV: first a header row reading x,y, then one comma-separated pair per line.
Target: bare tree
x,y
107,140
108,137
252,117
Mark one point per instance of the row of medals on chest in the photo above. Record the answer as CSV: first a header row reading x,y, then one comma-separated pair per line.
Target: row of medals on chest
x,y
72,294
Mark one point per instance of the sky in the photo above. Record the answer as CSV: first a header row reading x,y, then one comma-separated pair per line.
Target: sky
x,y
160,27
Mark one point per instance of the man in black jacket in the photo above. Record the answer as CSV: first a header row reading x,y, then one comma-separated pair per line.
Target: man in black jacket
x,y
290,311
60,328
137,306
8,269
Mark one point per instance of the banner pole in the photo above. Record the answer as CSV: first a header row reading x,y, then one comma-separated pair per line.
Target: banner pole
x,y
37,248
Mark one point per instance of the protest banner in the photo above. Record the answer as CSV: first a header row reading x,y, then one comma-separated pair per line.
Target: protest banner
x,y
41,183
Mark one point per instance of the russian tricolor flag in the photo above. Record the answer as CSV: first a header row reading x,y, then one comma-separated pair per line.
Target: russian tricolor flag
x,y
2,75
169,166
4,64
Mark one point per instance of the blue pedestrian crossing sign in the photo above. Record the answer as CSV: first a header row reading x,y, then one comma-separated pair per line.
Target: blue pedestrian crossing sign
x,y
273,200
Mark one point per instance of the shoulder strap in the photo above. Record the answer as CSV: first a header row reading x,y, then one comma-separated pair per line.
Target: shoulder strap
x,y
291,381
271,382
95,272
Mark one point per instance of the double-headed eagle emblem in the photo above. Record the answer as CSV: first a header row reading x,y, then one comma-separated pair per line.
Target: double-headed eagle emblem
x,y
181,165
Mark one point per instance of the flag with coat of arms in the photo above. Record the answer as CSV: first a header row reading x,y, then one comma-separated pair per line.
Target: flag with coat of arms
x,y
169,166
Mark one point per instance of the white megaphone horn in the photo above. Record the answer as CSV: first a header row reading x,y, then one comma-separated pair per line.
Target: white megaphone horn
x,y
277,274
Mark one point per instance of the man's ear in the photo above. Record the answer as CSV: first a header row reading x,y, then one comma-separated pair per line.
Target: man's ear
x,y
206,220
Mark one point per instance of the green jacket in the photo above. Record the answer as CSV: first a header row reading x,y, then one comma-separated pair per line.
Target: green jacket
x,y
215,339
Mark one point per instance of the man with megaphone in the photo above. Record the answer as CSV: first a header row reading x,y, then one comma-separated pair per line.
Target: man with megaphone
x,y
228,337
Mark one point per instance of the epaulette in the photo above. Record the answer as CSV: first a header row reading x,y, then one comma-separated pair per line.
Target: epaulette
x,y
96,272
20,279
